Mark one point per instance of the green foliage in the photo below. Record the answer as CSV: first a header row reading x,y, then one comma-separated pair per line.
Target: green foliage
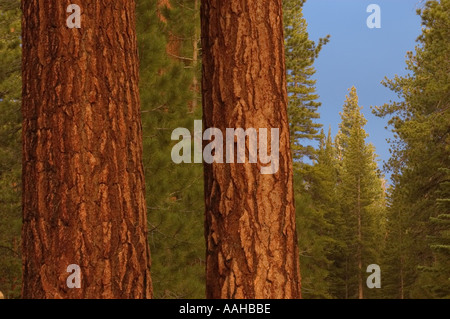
x,y
361,201
398,262
316,202
347,117
10,149
174,192
300,54
420,156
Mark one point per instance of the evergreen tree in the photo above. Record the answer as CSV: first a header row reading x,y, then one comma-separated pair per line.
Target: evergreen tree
x,y
10,148
316,202
174,191
359,189
83,178
327,168
252,247
397,260
300,53
303,106
347,117
436,279
420,153
182,20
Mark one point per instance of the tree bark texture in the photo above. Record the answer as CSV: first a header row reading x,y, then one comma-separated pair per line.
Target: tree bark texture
x,y
250,230
83,181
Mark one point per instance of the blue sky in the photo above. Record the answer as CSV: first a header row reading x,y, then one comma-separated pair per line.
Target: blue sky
x,y
359,56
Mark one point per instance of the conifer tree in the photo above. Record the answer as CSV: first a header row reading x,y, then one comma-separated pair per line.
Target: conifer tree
x,y
183,27
83,180
347,118
397,262
359,189
420,153
301,53
328,201
252,248
435,279
174,191
316,208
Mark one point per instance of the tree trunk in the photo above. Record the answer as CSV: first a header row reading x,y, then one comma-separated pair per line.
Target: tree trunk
x,y
252,249
346,278
402,293
360,281
83,181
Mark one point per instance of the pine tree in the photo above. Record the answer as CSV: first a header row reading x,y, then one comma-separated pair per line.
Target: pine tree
x,y
174,191
397,262
316,202
420,153
252,248
328,201
434,280
10,148
83,180
183,26
301,53
347,118
359,189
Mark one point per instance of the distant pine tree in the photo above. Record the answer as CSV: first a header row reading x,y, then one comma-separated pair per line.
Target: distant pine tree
x,y
359,191
301,53
346,124
420,159
316,209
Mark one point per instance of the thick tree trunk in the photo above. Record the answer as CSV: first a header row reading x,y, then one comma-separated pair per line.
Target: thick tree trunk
x,y
83,181
252,249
